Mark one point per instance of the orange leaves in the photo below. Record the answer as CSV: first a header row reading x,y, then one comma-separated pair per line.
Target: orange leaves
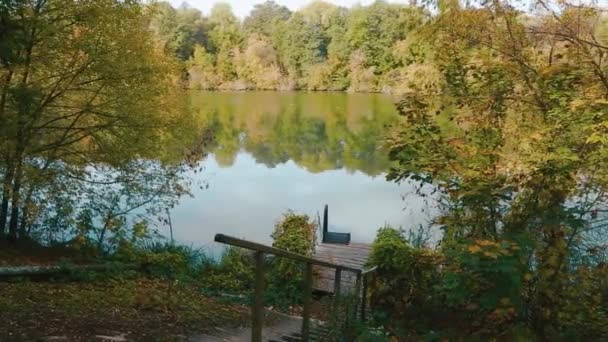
x,y
474,249
490,255
485,243
491,249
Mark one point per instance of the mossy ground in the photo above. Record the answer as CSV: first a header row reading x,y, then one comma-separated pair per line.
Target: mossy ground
x,y
138,309
82,307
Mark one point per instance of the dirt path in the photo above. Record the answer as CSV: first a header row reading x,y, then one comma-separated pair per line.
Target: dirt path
x,y
282,325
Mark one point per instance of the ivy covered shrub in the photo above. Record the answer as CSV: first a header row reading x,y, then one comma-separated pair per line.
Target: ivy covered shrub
x,y
483,281
297,234
403,289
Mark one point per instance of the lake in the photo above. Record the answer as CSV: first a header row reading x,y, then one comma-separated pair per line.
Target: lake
x,y
279,151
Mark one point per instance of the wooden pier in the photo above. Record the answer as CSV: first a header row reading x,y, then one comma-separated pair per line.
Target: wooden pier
x,y
353,255
337,248
337,266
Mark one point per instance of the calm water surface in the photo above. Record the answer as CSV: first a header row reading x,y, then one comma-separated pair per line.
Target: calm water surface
x,y
279,151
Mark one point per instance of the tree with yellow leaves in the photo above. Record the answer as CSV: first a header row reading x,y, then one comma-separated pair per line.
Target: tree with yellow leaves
x,y
512,134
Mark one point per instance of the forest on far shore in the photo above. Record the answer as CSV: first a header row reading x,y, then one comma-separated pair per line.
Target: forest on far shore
x,y
319,47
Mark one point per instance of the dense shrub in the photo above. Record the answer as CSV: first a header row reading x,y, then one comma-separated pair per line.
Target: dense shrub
x,y
294,233
404,288
233,273
478,287
161,259
584,306
483,281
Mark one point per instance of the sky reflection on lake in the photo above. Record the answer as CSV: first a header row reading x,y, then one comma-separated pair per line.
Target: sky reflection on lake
x,y
294,151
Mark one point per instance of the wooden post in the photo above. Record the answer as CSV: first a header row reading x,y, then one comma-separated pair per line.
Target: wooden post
x,y
357,294
337,282
325,223
307,303
257,310
364,298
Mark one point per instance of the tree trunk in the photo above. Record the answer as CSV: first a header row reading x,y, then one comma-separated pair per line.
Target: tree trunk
x,y
23,230
4,94
6,193
16,200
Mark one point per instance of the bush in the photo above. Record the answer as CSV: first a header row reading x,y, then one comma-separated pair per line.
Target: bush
x,y
484,281
585,305
294,233
162,259
234,273
479,287
405,280
475,286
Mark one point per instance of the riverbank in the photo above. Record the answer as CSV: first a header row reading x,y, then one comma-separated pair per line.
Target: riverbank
x,y
138,309
115,305
175,294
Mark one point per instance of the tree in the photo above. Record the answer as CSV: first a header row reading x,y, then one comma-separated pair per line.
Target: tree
x,y
511,133
319,47
179,29
258,64
101,100
373,30
202,74
300,45
265,17
225,38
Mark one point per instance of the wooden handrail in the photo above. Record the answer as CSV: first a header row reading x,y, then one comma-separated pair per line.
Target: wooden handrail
x,y
257,309
369,270
229,240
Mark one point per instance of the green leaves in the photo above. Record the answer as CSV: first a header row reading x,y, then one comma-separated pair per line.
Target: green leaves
x,y
513,143
297,234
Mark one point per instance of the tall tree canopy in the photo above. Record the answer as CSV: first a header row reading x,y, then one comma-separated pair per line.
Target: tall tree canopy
x,y
86,98
509,125
319,47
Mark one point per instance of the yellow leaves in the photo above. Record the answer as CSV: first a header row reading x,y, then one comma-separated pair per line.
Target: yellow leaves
x,y
79,241
502,314
485,243
577,104
474,249
601,101
490,255
492,249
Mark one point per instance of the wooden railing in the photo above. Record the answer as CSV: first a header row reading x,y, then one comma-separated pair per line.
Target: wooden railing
x,y
368,275
257,309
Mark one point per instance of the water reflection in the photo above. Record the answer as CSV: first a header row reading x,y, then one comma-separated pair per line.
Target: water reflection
x,y
317,131
279,151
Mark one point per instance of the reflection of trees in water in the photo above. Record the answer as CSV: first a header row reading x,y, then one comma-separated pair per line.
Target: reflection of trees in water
x,y
318,131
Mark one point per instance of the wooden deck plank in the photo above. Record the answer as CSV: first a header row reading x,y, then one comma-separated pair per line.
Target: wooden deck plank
x,y
353,255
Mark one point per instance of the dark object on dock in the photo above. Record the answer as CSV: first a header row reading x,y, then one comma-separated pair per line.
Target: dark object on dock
x,y
332,237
